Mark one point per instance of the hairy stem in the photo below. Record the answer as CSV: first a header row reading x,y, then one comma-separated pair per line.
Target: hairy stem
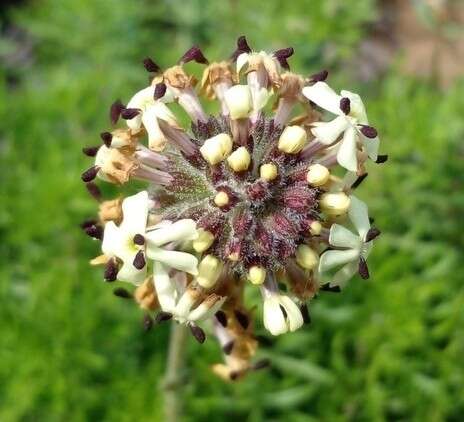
x,y
173,380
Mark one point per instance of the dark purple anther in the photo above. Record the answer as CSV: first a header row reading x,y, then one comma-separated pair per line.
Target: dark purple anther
x,y
242,319
319,77
282,56
150,65
122,293
139,260
115,111
381,159
90,151
111,271
194,54
94,190
242,47
362,268
372,234
198,333
129,113
106,137
221,317
345,105
368,131
90,174
358,181
160,90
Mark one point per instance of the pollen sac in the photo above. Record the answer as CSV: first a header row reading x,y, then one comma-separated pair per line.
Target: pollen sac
x,y
292,140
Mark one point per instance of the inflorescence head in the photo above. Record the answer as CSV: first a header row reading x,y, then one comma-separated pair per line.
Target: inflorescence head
x,y
245,198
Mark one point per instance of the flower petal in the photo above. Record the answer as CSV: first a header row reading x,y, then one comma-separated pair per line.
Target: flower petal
x,y
294,317
241,61
342,276
113,242
341,237
140,100
204,311
346,155
333,258
181,261
131,274
372,147
156,139
328,132
135,213
273,318
165,289
359,216
182,230
324,96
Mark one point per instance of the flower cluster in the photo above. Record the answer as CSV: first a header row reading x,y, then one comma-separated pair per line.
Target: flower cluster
x,y
256,196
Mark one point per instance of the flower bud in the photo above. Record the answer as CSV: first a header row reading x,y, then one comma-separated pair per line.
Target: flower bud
x,y
257,274
209,270
239,160
334,204
292,140
315,228
268,171
306,257
217,148
318,175
221,199
204,240
239,102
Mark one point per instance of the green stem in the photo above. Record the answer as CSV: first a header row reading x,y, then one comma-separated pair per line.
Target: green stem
x,y
173,379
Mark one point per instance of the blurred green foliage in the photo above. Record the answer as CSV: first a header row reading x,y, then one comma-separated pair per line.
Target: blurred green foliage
x,y
387,349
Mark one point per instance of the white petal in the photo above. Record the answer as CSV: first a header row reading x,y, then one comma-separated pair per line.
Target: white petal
x,y
115,242
165,289
182,230
346,155
181,261
156,138
184,305
359,216
341,237
204,311
328,132
372,147
273,317
357,109
131,274
324,96
140,100
332,258
135,213
294,317
241,61
342,276
261,99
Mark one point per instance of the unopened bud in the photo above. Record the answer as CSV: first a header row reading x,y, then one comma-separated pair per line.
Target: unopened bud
x,y
209,270
315,228
257,274
268,171
318,175
239,160
292,140
334,204
306,257
238,101
204,240
221,199
217,148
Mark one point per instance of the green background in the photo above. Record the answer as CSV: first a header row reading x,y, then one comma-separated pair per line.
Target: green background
x,y
390,348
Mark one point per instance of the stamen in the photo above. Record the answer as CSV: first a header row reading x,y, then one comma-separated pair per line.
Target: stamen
x,y
198,333
305,313
194,54
368,131
90,151
282,56
345,105
139,260
328,288
147,322
160,90
94,190
363,269
242,319
111,271
129,113
381,159
372,234
94,231
106,137
227,348
358,181
222,318
139,239
90,174
115,111
163,317
150,65
320,76
122,293
242,47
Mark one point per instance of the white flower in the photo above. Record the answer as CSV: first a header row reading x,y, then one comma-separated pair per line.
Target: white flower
x,y
355,248
280,313
118,241
351,121
131,242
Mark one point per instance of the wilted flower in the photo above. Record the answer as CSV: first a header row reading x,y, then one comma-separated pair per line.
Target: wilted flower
x,y
242,198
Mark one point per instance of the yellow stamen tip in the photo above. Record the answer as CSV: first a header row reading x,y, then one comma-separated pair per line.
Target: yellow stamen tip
x,y
268,171
221,199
